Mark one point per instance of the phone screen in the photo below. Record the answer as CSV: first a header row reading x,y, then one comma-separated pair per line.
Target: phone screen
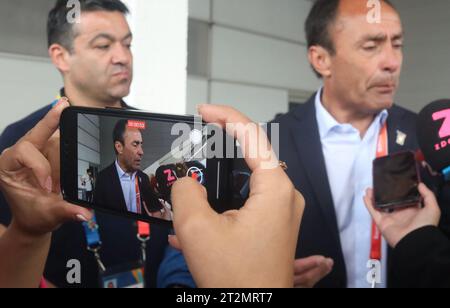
x,y
127,165
396,181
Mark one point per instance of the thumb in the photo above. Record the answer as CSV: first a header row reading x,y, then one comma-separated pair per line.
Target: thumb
x,y
427,195
174,242
70,212
429,200
190,204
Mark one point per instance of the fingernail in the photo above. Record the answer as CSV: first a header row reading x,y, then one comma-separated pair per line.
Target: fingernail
x,y
81,218
48,185
62,100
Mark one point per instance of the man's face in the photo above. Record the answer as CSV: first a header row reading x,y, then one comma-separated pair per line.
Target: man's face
x,y
131,152
365,70
101,62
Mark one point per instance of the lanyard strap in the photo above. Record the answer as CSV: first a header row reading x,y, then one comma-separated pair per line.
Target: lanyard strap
x,y
138,195
92,234
376,239
143,236
143,229
94,243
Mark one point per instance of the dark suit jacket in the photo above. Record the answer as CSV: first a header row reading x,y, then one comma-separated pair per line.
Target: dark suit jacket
x,y
108,192
301,149
422,259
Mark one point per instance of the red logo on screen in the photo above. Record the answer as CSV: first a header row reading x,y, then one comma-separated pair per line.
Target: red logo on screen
x,y
444,132
137,124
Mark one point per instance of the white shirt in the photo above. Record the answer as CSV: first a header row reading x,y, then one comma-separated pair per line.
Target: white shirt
x,y
87,181
128,183
348,160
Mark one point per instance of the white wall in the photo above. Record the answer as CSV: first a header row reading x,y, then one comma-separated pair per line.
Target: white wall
x,y
31,82
257,55
88,144
160,54
27,84
426,68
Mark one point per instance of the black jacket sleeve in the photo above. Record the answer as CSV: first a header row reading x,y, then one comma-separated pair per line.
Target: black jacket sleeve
x,y
422,259
151,200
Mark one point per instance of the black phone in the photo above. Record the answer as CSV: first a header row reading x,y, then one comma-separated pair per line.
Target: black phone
x,y
396,179
125,162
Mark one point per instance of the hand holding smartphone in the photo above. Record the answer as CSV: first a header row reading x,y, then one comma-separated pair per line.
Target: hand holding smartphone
x,y
126,162
396,180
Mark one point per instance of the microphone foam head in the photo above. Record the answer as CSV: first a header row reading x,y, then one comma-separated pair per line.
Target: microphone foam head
x,y
433,134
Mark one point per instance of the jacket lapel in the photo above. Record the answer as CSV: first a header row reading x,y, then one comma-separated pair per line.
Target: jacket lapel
x,y
400,138
117,190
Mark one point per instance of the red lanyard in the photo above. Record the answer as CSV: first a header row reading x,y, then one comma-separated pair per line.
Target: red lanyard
x,y
382,150
143,228
138,196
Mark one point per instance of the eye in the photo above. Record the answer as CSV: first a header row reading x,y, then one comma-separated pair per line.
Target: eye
x,y
103,47
398,45
370,47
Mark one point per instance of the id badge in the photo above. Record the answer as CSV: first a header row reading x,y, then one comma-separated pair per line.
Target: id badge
x,y
123,277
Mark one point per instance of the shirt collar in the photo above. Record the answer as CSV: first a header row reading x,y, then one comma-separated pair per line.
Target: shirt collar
x,y
123,174
328,123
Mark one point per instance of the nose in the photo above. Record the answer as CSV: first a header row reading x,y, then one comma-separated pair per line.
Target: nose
x,y
140,151
121,55
392,59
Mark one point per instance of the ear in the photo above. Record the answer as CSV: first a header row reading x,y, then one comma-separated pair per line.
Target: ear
x,y
60,57
119,147
320,60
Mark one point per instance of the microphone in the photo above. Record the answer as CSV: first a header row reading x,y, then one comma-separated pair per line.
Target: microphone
x,y
433,134
167,175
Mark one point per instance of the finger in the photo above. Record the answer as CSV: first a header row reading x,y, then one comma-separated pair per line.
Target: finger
x,y
312,277
256,149
42,132
52,152
190,204
304,265
174,242
69,212
428,196
25,155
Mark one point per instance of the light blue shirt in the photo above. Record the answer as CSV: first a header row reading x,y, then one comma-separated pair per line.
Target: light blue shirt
x,y
128,183
348,160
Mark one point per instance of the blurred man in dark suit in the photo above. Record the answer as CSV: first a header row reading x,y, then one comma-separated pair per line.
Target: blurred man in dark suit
x,y
123,187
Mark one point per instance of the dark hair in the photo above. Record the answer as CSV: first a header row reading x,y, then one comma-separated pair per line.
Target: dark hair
x,y
60,30
317,26
119,132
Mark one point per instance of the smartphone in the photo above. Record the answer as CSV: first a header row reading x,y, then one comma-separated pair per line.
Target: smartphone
x,y
126,162
396,179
